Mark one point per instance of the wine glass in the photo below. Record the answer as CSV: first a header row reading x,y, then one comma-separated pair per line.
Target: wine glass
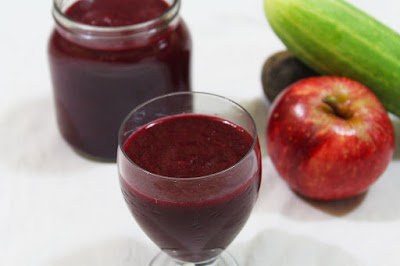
x,y
189,166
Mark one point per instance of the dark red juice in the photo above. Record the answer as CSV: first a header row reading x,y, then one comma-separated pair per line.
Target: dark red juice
x,y
95,87
192,219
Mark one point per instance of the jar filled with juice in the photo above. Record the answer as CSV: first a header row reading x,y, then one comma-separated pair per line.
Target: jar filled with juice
x,y
108,56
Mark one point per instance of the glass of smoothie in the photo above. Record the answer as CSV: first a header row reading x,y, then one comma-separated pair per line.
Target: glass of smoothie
x,y
189,166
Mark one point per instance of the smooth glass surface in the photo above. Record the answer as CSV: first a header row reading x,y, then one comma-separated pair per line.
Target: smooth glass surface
x,y
192,219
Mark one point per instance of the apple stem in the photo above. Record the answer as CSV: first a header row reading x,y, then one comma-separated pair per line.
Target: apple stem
x,y
339,105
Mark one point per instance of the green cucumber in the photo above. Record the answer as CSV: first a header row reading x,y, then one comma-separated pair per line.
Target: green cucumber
x,y
335,38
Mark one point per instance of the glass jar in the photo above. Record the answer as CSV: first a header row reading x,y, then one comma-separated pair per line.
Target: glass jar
x,y
106,57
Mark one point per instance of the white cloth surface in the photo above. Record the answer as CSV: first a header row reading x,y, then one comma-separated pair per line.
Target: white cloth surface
x,y
59,209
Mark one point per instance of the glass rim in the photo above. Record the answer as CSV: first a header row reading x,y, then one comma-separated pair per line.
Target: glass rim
x,y
252,147
166,16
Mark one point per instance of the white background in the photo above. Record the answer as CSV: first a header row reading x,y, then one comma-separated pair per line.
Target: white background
x,y
58,209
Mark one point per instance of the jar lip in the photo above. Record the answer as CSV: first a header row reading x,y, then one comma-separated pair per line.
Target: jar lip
x,y
165,17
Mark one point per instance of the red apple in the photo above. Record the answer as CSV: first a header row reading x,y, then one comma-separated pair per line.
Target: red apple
x,y
329,137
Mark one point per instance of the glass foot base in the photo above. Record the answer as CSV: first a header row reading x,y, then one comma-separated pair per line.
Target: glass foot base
x,y
162,259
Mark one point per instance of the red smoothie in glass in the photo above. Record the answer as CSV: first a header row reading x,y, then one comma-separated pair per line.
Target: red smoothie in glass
x,y
193,220
95,87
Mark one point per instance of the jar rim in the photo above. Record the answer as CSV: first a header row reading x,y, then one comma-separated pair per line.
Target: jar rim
x,y
162,19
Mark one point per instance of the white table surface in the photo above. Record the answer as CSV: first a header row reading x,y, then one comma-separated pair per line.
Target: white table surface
x,y
59,209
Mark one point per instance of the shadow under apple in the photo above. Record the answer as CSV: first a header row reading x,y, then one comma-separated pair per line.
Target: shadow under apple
x,y
30,140
379,203
339,207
